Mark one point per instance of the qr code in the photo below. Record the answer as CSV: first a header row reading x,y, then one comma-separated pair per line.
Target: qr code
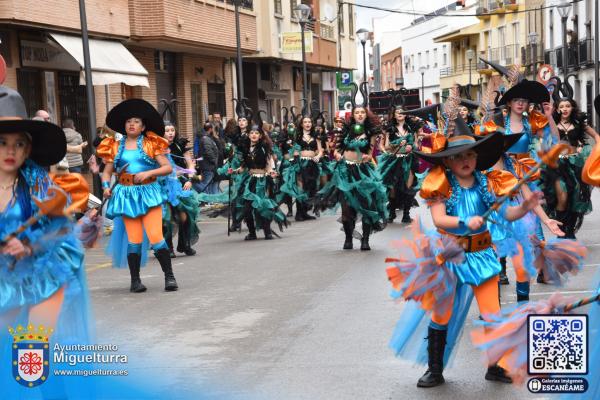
x,y
557,344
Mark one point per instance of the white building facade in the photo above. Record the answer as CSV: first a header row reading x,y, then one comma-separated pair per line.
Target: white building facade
x,y
580,45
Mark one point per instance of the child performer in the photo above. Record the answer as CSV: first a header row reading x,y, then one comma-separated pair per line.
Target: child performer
x,y
459,194
137,197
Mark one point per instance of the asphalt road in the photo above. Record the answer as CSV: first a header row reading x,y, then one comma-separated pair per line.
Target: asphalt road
x,y
292,318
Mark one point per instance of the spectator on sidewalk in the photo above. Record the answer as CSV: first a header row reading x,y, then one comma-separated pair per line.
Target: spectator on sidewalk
x,y
42,115
218,124
206,153
75,146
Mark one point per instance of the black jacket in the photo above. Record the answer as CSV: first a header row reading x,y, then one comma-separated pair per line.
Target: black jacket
x,y
208,150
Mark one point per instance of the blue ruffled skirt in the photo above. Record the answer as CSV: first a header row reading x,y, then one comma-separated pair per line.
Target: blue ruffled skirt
x,y
133,201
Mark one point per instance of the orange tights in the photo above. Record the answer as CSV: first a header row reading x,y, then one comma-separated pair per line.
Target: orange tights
x,y
151,223
486,295
518,264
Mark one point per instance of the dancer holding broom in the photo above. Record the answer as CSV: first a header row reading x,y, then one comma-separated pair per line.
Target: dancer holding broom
x,y
459,195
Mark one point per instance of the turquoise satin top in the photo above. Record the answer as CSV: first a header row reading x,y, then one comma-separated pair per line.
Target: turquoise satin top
x,y
136,163
482,265
57,257
469,205
135,200
522,145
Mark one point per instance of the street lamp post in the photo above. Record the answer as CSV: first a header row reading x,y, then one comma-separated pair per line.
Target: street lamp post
x,y
363,35
302,12
470,57
533,41
563,9
422,71
240,75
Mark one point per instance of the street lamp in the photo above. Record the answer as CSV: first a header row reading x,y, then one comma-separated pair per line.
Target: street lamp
x,y
240,75
363,35
533,41
470,57
302,12
422,71
563,8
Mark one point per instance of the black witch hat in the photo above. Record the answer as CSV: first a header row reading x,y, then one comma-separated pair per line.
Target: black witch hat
x,y
48,142
533,91
489,148
135,108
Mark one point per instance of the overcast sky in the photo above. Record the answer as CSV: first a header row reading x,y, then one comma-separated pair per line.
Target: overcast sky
x,y
364,17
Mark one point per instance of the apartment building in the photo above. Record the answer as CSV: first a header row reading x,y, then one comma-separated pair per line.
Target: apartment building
x,y
154,49
273,75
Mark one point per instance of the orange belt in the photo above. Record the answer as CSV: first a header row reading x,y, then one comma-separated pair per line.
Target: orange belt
x,y
472,243
519,156
127,180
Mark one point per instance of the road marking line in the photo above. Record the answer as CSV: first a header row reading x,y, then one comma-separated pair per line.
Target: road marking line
x,y
562,292
99,266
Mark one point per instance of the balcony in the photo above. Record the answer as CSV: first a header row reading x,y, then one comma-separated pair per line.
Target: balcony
x,y
487,7
247,4
457,70
505,55
182,24
580,55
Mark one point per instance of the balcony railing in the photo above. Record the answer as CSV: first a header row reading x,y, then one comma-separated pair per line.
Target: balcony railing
x,y
505,55
579,55
247,4
457,70
327,31
491,6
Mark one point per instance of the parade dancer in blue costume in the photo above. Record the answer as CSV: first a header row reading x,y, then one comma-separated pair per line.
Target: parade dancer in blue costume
x,y
397,164
42,277
458,194
536,128
139,158
355,183
182,203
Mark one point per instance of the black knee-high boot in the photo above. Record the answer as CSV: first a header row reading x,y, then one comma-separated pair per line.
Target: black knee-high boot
x,y
391,209
436,344
288,202
165,264
348,230
364,243
502,276
407,204
299,211
266,225
134,260
168,235
184,244
251,227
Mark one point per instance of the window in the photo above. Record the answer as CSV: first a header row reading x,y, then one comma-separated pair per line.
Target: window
x,y
412,62
419,60
435,58
427,58
341,21
278,9
293,5
216,98
551,24
502,43
197,118
516,38
351,19
265,72
445,56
